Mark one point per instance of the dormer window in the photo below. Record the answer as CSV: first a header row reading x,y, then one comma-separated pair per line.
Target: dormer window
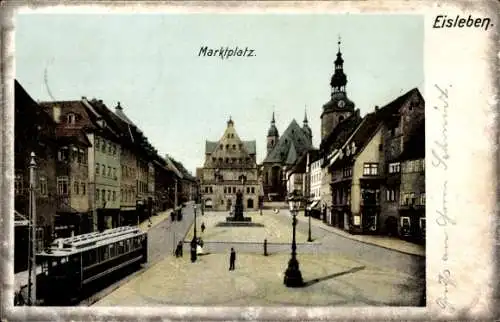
x,y
71,118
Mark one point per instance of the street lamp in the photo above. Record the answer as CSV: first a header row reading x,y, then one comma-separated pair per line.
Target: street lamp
x,y
306,211
194,240
293,276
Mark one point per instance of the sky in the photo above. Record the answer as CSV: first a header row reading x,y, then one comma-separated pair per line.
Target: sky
x,y
151,65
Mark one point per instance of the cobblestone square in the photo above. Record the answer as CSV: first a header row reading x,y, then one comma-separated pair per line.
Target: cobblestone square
x,y
258,280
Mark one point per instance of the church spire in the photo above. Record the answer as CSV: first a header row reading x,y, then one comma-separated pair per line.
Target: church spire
x,y
305,115
273,122
339,79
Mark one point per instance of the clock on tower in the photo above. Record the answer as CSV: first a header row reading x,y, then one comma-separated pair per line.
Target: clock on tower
x,y
341,104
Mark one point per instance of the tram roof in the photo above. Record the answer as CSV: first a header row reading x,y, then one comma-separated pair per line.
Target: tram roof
x,y
80,243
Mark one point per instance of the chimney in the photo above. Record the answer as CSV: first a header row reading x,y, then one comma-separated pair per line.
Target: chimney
x,y
376,108
56,113
84,98
118,107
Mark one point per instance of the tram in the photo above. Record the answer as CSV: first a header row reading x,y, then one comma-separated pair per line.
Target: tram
x,y
72,267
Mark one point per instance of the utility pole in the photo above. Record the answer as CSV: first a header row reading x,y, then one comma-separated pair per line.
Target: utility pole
x,y
32,234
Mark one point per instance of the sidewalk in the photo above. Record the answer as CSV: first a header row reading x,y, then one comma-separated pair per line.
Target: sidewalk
x,y
155,220
388,242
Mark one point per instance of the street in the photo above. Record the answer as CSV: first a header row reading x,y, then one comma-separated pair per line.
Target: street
x,y
337,270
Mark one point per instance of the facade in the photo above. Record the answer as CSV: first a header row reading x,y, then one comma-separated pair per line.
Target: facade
x,y
34,131
412,189
74,212
283,152
230,166
360,171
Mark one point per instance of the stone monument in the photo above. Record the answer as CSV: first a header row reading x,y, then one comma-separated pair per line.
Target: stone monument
x,y
238,210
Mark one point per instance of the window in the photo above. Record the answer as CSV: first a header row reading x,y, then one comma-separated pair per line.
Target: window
x,y
76,187
109,171
62,185
347,172
222,201
227,146
114,173
71,118
109,195
114,195
83,188
103,150
370,169
248,189
81,156
422,199
110,148
253,190
43,185
394,167
103,195
63,154
96,194
390,195
225,189
97,168
103,170
380,147
18,184
234,146
407,199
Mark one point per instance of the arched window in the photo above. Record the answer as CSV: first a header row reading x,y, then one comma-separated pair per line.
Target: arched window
x,y
71,118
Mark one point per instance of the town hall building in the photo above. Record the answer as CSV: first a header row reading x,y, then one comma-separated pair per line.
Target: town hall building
x,y
230,166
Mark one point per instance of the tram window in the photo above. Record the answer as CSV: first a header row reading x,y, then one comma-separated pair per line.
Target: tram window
x,y
106,253
112,250
121,247
45,266
101,254
127,245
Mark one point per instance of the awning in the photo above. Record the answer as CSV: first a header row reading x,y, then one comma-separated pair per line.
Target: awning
x,y
314,205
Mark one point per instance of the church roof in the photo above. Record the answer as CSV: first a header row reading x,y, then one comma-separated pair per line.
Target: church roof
x,y
281,152
250,146
292,154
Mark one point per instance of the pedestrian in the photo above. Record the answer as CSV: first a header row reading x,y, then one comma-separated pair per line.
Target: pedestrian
x,y
232,259
265,247
202,227
179,249
200,242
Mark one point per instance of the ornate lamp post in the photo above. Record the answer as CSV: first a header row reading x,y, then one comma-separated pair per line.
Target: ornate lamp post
x,y
309,237
293,276
194,240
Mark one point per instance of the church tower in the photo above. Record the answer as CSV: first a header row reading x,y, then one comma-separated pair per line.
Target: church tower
x,y
307,130
272,136
339,107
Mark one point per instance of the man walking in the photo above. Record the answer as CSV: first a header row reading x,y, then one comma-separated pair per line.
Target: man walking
x,y
232,259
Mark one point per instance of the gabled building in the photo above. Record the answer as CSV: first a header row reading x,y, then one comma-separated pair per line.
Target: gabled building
x,y
283,153
412,197
34,131
359,168
230,166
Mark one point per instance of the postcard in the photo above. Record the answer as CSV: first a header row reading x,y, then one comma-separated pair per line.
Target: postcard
x,y
255,161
